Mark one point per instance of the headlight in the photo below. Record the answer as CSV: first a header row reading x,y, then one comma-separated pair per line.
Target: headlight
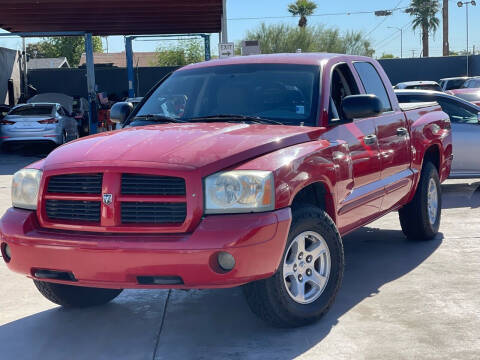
x,y
240,191
25,185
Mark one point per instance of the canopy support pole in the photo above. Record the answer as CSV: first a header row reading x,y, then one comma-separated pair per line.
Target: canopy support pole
x,y
130,69
92,95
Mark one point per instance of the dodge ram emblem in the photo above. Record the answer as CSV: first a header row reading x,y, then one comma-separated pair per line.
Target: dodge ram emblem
x,y
107,199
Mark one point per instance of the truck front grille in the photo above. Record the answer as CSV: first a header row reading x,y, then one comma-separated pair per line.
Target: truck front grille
x,y
153,213
75,184
137,184
116,201
73,210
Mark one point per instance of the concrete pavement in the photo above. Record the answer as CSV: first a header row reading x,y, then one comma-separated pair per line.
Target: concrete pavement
x,y
399,300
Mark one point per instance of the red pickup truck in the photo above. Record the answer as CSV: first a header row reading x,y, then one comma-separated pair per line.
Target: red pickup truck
x,y
246,171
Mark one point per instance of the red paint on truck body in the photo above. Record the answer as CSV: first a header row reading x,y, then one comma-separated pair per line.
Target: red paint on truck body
x,y
361,182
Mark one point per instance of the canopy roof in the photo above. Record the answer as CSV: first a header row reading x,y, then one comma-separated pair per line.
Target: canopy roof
x,y
112,17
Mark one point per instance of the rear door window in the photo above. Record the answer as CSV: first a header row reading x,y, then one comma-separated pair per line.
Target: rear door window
x,y
459,113
32,111
372,82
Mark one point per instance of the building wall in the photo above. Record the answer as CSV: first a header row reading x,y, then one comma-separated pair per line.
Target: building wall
x,y
9,69
434,68
112,81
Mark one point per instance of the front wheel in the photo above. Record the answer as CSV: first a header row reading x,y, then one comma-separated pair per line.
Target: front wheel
x,y
420,219
75,296
309,277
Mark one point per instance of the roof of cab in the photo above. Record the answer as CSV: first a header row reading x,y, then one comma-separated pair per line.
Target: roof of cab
x,y
291,58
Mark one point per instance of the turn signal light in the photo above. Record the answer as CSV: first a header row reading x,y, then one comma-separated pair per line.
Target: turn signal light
x,y
49,121
6,122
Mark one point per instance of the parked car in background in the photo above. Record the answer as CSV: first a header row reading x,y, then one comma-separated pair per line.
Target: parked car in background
x,y
252,170
420,85
452,83
46,122
465,119
472,83
471,95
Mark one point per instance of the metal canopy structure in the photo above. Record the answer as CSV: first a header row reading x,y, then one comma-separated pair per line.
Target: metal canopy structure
x,y
42,18
112,17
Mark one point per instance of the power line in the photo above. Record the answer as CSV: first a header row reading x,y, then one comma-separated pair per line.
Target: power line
x,y
383,21
317,15
389,37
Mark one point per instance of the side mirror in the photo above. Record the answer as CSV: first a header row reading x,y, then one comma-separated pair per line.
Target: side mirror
x,y
120,112
361,106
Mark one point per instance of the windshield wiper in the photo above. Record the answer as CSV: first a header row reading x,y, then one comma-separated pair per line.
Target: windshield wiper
x,y
158,117
233,117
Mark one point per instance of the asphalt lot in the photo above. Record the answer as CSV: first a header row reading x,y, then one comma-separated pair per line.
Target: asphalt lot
x,y
399,300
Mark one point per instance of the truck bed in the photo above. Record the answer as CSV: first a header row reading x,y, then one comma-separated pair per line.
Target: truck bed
x,y
417,105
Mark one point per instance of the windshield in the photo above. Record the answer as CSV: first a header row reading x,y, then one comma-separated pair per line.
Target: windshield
x,y
32,111
434,87
472,83
282,92
454,84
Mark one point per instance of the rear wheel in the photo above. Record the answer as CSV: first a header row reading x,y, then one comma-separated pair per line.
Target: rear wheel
x,y
420,219
75,296
309,276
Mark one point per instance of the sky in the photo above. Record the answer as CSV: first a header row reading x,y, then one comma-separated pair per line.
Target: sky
x,y
248,14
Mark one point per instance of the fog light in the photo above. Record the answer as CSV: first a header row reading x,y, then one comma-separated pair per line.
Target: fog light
x,y
226,261
6,253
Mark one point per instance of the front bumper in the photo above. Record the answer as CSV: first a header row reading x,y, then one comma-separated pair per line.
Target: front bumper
x,y
257,242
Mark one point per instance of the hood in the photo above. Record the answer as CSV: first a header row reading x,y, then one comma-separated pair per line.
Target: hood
x,y
465,91
62,99
218,145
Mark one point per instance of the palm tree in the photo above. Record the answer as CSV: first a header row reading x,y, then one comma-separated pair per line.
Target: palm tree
x,y
303,8
424,14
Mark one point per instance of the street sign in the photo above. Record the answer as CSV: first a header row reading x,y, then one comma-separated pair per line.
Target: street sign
x,y
250,47
226,50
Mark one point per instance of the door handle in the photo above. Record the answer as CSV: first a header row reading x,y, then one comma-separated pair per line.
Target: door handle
x,y
370,139
402,132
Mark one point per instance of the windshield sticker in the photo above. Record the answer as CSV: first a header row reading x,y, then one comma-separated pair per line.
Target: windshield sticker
x,y
300,110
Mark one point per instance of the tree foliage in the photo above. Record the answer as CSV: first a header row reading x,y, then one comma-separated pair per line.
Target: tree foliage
x,y
424,13
72,47
302,8
283,38
187,52
387,56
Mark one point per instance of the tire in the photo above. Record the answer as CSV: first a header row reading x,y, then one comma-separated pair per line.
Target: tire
x,y
273,300
415,218
75,296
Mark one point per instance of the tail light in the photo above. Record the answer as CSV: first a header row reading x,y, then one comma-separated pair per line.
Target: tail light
x,y
6,122
49,121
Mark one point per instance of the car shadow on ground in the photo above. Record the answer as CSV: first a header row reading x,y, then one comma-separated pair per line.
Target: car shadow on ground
x,y
461,195
212,323
15,158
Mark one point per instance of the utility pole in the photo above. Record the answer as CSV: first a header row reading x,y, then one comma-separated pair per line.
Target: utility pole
x,y
466,3
446,44
224,33
413,53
